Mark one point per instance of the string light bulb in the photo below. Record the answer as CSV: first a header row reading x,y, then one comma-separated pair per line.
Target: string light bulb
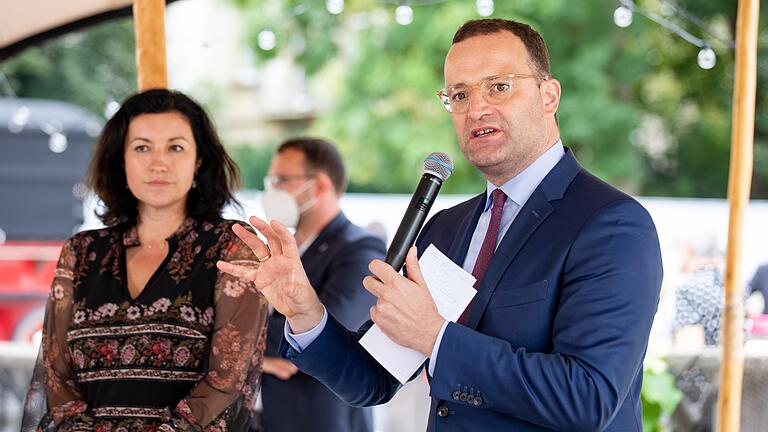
x,y
111,108
334,7
404,14
622,16
484,7
19,119
267,39
706,58
57,142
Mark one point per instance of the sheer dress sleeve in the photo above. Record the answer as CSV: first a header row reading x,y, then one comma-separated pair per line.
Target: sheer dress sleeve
x,y
223,400
54,401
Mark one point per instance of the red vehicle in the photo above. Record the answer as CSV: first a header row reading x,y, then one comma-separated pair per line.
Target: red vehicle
x,y
26,272
45,147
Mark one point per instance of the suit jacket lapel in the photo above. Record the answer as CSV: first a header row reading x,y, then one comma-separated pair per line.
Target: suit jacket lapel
x,y
458,249
534,212
314,253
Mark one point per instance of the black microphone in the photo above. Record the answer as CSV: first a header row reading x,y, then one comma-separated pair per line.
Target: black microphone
x,y
437,168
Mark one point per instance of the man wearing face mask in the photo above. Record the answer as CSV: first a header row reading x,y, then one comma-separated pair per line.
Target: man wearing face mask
x,y
303,189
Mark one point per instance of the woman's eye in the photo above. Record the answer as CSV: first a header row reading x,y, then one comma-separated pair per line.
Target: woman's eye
x,y
141,148
177,148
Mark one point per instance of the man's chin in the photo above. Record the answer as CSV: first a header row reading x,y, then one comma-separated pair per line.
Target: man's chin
x,y
484,161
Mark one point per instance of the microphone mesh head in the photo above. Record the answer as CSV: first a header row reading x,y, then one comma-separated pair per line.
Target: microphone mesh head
x,y
438,164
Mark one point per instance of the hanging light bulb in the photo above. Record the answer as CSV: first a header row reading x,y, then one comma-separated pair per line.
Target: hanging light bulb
x,y
19,119
622,16
334,7
404,14
706,58
267,39
111,108
484,7
57,142
93,129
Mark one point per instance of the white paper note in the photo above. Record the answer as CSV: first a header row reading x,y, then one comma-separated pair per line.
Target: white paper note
x,y
451,289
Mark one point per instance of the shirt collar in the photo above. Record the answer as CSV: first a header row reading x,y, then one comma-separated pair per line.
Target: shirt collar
x,y
520,187
306,244
131,235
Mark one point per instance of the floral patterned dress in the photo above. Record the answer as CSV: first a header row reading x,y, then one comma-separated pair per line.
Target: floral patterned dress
x,y
184,355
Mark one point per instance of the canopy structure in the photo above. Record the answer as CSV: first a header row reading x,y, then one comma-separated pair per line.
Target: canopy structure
x,y
739,185
26,23
29,22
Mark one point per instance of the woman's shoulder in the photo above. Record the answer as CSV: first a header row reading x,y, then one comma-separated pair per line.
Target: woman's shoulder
x,y
92,236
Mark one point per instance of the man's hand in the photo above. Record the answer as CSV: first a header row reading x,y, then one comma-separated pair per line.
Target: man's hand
x,y
280,368
280,275
405,310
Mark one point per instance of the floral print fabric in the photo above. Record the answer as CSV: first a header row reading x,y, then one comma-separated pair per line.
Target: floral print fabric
x,y
185,355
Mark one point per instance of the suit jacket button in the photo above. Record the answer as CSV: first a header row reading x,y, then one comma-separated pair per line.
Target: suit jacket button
x,y
478,401
442,411
456,395
463,397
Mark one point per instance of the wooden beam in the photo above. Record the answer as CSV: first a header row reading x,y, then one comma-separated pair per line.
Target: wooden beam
x,y
149,24
739,184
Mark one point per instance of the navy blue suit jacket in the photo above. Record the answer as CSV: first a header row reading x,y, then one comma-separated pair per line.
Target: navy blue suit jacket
x,y
336,263
559,327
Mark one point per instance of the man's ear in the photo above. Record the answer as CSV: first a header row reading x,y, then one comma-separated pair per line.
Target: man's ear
x,y
550,95
323,183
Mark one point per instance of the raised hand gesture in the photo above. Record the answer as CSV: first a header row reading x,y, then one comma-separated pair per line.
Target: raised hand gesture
x,y
280,276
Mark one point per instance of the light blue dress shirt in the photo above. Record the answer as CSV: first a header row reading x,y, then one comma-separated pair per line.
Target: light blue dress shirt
x,y
518,189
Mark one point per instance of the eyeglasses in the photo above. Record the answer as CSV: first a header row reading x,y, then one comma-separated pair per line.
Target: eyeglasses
x,y
494,89
279,180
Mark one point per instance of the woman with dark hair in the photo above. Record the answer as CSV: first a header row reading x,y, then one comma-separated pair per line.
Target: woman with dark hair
x,y
142,332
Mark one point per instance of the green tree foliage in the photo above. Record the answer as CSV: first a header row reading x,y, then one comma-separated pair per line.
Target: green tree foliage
x,y
660,395
253,163
696,108
615,81
86,68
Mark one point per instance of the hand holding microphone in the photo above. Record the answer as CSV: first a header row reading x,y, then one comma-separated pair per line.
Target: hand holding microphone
x,y
437,168
405,310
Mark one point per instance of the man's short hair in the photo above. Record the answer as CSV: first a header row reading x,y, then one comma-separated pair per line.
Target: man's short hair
x,y
320,155
534,43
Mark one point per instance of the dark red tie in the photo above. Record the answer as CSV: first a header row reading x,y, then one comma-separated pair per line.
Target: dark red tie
x,y
489,245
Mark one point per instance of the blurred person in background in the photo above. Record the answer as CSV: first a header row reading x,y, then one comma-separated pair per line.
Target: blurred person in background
x,y
303,190
142,332
758,286
699,296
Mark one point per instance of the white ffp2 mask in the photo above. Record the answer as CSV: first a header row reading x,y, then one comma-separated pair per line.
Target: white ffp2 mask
x,y
281,205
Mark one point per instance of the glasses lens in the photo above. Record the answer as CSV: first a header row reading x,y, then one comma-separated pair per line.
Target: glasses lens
x,y
444,101
497,89
458,99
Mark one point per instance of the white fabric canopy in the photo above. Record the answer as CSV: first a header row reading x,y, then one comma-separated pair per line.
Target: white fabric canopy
x,y
28,22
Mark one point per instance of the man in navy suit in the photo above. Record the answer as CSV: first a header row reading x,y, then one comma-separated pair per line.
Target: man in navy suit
x,y
568,268
306,180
